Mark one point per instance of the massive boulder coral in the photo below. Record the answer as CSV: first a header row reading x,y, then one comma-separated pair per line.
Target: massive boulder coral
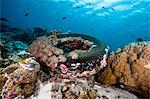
x,y
3,71
19,79
130,67
65,53
46,53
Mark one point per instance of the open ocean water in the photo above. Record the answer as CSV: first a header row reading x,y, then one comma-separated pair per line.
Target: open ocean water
x,y
115,22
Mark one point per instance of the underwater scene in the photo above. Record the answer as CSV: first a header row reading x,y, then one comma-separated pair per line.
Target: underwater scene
x,y
74,49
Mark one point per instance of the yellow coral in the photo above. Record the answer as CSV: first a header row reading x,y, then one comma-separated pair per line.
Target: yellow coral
x,y
21,61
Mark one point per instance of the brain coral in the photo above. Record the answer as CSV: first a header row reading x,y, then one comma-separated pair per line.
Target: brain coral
x,y
130,67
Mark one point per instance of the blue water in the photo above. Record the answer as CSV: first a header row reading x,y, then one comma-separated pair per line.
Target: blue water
x,y
115,22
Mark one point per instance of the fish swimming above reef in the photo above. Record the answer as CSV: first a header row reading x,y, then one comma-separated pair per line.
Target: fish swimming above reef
x,y
26,14
64,18
139,40
113,9
103,7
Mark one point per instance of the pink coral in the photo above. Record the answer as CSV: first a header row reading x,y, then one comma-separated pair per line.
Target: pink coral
x,y
63,68
46,53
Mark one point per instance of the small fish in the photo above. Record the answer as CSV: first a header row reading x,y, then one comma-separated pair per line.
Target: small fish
x,y
88,3
103,7
3,19
113,9
26,14
139,40
64,18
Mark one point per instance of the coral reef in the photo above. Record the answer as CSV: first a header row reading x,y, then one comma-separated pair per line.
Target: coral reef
x,y
17,34
63,66
58,65
69,56
11,52
18,80
16,47
130,68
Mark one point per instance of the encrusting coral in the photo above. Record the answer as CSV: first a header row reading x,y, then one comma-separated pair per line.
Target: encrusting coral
x,y
18,80
129,67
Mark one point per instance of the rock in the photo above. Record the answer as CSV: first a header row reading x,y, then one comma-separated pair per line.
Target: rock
x,y
129,67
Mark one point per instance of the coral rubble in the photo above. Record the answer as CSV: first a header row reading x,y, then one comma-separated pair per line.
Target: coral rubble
x,y
82,89
129,68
